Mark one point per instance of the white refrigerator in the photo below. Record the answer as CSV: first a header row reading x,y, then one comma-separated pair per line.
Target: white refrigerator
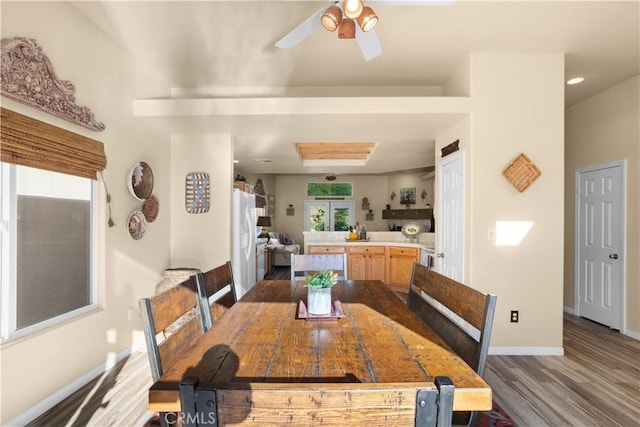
x,y
243,241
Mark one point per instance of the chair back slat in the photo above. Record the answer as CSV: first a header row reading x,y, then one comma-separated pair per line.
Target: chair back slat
x,y
173,346
168,306
217,292
466,302
460,315
308,264
172,323
450,308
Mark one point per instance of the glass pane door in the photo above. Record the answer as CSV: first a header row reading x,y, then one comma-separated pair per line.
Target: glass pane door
x,y
316,218
342,215
328,216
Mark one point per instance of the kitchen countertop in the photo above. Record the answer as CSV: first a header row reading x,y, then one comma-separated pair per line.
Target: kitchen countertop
x,y
370,243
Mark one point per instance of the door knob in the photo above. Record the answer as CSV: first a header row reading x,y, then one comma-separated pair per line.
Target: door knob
x,y
440,255
613,256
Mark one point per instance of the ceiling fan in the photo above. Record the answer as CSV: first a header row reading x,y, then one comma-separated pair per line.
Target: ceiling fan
x,y
352,19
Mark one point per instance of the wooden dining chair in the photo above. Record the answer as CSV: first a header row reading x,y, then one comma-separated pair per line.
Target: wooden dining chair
x,y
172,323
308,264
217,293
460,315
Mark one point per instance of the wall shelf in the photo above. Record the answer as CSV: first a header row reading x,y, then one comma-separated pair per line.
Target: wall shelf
x,y
407,213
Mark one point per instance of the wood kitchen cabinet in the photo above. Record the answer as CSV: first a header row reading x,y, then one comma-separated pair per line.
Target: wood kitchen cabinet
x,y
400,266
318,249
366,263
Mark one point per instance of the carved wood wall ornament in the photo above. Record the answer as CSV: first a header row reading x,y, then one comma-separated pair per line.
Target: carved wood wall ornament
x,y
28,77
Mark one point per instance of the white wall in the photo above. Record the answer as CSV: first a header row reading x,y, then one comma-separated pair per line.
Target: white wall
x,y
605,128
35,367
517,107
201,240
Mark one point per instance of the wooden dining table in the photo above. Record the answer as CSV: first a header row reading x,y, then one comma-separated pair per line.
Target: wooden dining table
x,y
265,363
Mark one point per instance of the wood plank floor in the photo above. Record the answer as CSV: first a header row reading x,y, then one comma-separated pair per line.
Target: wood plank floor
x,y
596,383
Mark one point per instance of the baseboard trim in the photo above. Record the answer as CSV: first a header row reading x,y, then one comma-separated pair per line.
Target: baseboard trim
x,y
66,391
526,351
632,334
569,310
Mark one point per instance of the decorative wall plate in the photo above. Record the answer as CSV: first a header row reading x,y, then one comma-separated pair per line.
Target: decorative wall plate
x,y
140,181
197,192
410,229
137,225
150,208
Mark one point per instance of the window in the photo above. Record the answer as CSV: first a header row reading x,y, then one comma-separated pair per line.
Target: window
x,y
322,215
47,249
329,189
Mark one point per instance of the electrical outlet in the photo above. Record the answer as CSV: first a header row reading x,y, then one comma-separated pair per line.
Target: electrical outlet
x,y
514,316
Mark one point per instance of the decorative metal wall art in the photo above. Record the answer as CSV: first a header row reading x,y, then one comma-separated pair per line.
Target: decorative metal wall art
x,y
28,77
197,192
365,204
451,148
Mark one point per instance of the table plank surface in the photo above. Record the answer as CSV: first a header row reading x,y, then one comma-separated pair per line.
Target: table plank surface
x,y
261,344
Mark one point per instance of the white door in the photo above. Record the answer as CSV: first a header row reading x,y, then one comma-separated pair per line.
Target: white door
x,y
450,221
600,243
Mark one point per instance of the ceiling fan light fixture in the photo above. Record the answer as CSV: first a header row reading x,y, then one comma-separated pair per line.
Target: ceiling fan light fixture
x,y
331,18
352,8
347,29
367,19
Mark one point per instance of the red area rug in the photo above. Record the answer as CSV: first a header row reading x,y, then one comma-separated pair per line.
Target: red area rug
x,y
496,417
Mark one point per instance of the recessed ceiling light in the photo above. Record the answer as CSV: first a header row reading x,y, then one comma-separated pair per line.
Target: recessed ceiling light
x,y
236,161
575,80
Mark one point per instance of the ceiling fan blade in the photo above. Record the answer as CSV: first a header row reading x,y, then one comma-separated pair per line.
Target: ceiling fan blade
x,y
302,31
369,43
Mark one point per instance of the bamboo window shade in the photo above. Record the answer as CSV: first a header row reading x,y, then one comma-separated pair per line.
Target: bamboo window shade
x,y
30,142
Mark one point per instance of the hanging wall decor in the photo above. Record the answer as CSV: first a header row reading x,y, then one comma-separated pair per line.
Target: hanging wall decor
x,y
28,77
408,196
197,192
451,148
137,225
291,211
365,203
150,208
521,172
140,181
258,190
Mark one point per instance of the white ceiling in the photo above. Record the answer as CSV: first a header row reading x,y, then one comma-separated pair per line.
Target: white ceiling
x,y
222,48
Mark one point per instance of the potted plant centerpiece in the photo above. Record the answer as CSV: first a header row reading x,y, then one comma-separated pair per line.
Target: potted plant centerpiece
x,y
319,292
